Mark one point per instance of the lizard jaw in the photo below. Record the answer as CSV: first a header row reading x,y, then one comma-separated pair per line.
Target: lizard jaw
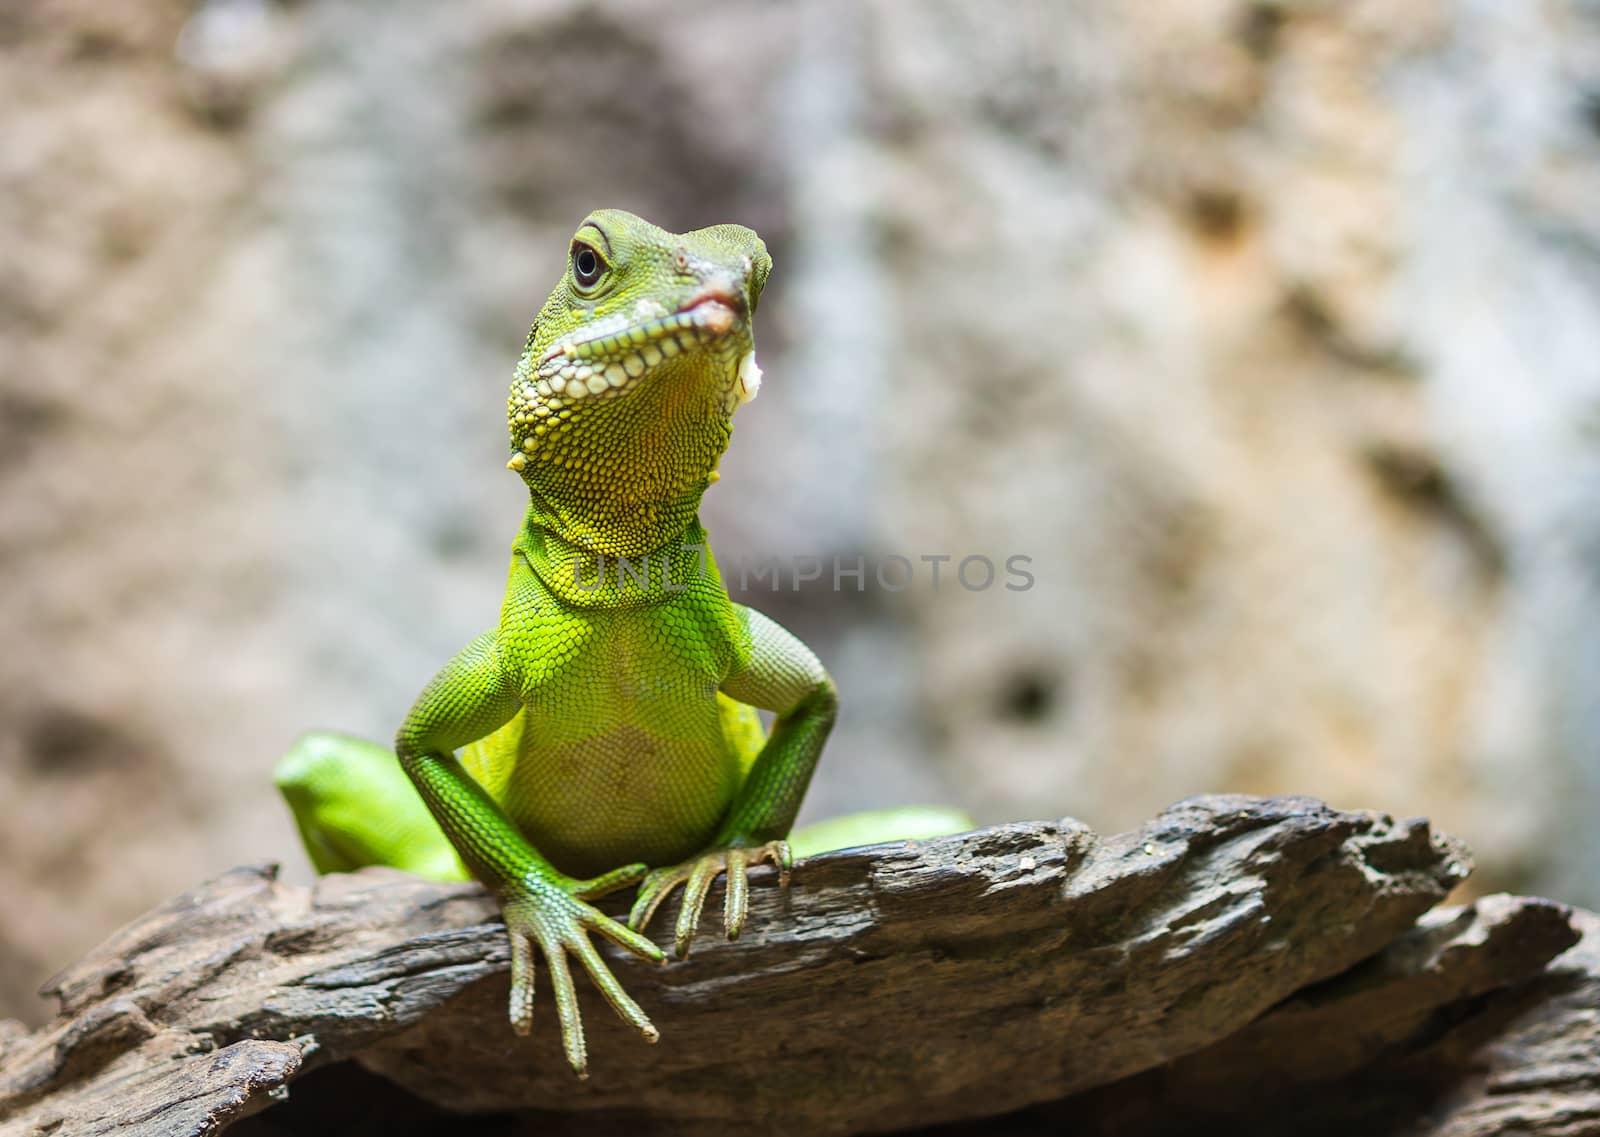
x,y
609,360
615,355
706,317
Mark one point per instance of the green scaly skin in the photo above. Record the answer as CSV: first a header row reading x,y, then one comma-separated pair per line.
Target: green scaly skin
x,y
607,725
598,721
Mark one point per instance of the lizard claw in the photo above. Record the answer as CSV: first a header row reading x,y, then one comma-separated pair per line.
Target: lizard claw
x,y
557,921
697,875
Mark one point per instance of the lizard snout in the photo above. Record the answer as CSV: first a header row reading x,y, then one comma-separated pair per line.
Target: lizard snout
x,y
720,304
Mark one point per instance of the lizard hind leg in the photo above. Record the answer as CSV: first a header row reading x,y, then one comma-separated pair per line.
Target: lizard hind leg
x,y
354,806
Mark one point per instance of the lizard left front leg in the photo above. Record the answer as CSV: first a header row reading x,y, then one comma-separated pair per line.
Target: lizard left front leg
x,y
781,675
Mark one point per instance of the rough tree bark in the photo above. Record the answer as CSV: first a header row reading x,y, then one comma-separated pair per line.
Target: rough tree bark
x,y
1239,959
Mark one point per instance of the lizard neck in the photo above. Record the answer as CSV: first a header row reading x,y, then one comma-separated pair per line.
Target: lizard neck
x,y
615,527
585,577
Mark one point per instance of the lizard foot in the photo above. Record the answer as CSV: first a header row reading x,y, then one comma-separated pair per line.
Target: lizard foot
x,y
697,874
550,913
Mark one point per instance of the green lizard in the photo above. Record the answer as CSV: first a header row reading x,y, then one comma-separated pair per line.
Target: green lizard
x,y
607,725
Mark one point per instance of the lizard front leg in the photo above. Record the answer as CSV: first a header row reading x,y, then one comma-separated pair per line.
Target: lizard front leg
x,y
471,697
781,675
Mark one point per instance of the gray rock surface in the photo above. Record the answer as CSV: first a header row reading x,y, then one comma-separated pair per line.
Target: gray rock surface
x,y
1265,329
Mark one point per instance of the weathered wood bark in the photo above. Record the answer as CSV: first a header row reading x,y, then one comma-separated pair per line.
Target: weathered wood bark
x,y
1457,1029
1221,959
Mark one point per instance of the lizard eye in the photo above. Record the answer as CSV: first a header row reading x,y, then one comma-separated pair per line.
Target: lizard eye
x,y
587,267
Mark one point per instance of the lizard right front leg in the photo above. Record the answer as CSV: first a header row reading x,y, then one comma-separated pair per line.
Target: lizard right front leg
x,y
470,698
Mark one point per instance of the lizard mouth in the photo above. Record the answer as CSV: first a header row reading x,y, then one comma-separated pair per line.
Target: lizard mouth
x,y
704,320
616,354
613,356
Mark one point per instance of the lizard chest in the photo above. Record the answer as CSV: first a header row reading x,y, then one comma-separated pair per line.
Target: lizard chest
x,y
620,753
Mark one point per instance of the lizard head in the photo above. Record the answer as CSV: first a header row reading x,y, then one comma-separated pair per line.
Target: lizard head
x,y
623,400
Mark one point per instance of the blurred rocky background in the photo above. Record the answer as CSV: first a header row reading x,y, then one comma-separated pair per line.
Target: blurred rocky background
x,y
1269,332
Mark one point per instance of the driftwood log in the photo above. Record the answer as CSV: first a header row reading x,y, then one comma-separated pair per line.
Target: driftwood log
x,y
1255,963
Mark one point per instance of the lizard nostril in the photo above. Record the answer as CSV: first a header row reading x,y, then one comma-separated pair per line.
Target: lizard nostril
x,y
681,259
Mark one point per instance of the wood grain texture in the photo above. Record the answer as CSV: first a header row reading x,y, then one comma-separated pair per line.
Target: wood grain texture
x,y
1231,950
